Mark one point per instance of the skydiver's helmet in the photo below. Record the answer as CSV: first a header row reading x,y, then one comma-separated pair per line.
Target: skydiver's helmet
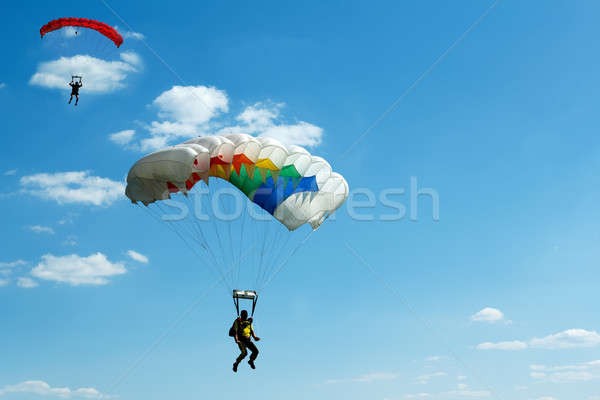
x,y
244,315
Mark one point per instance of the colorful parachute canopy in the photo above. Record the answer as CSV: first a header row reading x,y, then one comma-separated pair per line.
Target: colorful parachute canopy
x,y
98,26
286,181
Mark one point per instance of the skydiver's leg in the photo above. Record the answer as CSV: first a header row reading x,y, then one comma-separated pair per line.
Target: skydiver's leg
x,y
76,99
70,99
253,349
243,352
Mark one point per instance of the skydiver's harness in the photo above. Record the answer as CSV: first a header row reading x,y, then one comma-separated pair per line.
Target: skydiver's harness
x,y
237,295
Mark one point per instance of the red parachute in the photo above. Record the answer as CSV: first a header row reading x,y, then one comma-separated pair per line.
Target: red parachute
x,y
98,26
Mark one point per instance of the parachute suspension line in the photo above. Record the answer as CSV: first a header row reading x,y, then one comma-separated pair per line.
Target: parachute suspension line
x,y
185,240
272,262
200,238
284,263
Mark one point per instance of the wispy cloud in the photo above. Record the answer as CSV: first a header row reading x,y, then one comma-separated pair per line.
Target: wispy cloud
x,y
12,264
418,396
73,187
488,314
75,270
424,379
580,372
42,388
367,378
130,34
512,345
4,282
568,339
41,229
10,172
134,255
26,283
100,76
2,85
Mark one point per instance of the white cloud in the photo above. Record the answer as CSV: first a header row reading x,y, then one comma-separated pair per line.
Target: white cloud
x,y
545,398
95,269
188,111
130,34
580,372
12,264
69,32
367,378
137,256
435,358
488,314
461,377
418,396
11,171
470,393
191,104
41,229
2,85
99,76
73,187
423,379
26,283
71,240
123,137
568,339
514,345
261,119
3,282
41,388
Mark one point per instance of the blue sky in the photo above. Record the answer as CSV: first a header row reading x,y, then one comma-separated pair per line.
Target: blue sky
x,y
495,299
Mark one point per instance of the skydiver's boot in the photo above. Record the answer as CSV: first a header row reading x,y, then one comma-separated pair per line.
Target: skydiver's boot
x,y
235,365
251,363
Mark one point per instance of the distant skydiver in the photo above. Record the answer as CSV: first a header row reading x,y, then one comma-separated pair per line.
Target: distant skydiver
x,y
75,89
243,334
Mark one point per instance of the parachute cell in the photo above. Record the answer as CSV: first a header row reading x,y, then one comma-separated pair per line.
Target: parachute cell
x,y
98,26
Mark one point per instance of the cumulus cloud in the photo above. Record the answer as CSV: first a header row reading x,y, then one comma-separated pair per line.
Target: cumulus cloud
x,y
488,314
188,111
42,388
262,119
26,283
75,270
367,378
99,76
73,187
134,255
571,338
41,229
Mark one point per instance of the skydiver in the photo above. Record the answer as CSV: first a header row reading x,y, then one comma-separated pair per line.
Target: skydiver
x,y
75,90
243,334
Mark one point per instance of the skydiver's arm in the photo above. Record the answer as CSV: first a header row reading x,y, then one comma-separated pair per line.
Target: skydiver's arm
x,y
254,336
